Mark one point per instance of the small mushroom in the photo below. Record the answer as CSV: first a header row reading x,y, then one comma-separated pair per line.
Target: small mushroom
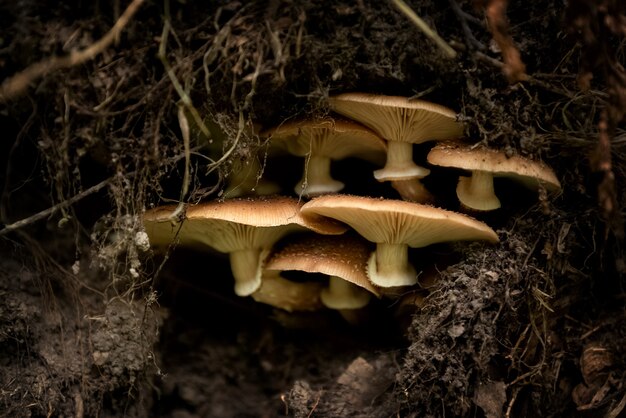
x,y
394,226
285,294
402,122
246,229
477,192
343,258
245,176
244,180
319,142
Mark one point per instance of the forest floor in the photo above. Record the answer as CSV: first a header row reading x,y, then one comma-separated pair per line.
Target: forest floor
x,y
93,323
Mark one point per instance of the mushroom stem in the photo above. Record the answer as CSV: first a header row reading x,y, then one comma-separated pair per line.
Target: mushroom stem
x,y
281,293
412,190
476,192
316,179
400,165
246,268
341,294
389,266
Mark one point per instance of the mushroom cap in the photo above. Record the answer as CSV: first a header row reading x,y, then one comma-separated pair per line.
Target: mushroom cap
x,y
523,170
399,222
244,228
397,118
343,256
235,224
332,138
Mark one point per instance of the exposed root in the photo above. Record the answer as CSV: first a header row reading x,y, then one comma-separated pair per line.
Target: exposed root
x,y
16,85
514,69
597,22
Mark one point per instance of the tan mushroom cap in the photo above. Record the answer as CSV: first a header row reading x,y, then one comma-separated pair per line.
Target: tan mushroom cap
x,y
476,192
394,226
244,228
323,140
344,258
402,122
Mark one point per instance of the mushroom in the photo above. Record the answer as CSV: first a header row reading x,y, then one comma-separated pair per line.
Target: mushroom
x,y
343,258
285,294
395,225
321,141
402,122
477,192
245,176
246,229
244,180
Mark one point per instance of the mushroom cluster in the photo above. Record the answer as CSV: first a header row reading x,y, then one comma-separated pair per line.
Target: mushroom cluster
x,y
351,249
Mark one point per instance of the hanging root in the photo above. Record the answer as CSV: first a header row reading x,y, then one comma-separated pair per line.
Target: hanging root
x,y
514,69
597,23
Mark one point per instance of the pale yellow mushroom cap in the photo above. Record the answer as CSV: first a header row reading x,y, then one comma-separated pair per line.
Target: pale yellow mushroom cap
x,y
397,118
399,222
394,226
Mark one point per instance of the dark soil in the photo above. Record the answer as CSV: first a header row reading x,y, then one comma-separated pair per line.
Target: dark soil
x,y
93,323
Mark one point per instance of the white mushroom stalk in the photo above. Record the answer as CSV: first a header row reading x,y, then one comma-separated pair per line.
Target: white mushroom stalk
x,y
477,192
389,266
341,294
316,179
400,164
246,269
403,173
290,296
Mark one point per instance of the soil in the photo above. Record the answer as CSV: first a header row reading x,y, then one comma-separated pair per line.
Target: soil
x,y
94,323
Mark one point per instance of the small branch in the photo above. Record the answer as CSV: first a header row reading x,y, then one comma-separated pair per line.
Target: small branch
x,y
76,198
13,87
48,212
408,12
